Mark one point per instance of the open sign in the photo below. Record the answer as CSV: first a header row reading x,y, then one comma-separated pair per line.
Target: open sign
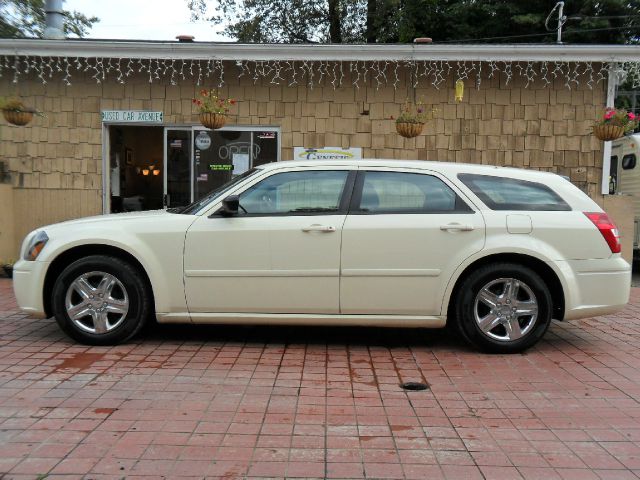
x,y
227,151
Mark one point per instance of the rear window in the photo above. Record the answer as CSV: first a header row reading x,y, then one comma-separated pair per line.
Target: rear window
x,y
499,193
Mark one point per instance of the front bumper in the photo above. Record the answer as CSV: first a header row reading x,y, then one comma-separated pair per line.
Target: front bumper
x,y
28,286
595,287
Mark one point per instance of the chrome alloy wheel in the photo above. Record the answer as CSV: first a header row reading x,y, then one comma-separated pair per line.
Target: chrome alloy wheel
x,y
505,309
97,302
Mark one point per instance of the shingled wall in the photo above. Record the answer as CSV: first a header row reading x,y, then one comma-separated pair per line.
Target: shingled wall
x,y
56,161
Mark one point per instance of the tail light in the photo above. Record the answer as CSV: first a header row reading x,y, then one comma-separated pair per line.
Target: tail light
x,y
607,228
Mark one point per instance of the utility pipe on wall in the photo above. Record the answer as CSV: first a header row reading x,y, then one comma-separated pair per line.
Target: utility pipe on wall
x,y
54,17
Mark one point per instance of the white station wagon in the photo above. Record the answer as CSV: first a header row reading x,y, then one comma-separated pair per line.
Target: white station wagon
x,y
496,251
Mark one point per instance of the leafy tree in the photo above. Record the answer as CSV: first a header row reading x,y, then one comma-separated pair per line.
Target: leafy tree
x,y
286,21
335,21
589,21
26,18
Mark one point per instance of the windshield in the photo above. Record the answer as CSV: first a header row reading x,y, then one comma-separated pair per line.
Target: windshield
x,y
197,205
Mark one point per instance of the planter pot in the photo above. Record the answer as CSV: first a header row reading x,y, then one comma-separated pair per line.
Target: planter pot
x,y
409,130
20,118
213,120
8,270
607,133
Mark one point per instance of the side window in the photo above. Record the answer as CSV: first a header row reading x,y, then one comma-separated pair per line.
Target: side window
x,y
295,192
629,162
399,192
500,193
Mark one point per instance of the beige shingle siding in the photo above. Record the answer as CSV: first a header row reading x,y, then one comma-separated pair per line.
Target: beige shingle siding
x,y
57,160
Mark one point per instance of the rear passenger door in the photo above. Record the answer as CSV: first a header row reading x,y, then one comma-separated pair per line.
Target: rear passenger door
x,y
405,234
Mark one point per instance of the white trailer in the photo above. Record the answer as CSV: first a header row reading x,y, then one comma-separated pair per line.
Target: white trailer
x,y
625,178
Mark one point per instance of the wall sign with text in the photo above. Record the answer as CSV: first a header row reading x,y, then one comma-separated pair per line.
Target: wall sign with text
x,y
132,116
327,153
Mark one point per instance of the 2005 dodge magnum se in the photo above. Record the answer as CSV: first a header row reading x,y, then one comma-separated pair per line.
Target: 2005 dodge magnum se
x,y
497,251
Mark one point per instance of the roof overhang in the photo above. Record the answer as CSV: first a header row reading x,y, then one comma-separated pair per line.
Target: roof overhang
x,y
318,52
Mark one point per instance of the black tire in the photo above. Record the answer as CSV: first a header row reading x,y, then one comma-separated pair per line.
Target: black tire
x,y
136,291
465,308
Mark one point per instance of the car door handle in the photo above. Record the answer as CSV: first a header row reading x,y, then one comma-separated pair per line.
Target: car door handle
x,y
319,228
457,226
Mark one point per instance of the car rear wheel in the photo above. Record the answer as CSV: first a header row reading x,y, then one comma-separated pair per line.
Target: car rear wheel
x,y
503,308
101,300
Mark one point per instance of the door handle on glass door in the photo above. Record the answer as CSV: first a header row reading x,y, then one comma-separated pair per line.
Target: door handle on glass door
x,y
319,228
457,226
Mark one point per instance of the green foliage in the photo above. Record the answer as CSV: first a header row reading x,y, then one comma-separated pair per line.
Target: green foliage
x,y
211,102
619,118
14,104
301,21
286,21
451,20
415,112
26,18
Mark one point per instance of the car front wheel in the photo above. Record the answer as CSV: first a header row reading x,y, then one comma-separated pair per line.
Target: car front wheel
x,y
503,308
100,300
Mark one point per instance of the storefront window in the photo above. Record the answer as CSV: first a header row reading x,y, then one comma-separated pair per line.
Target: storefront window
x,y
195,162
222,154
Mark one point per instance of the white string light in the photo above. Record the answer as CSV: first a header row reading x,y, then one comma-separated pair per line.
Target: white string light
x,y
507,72
589,70
335,75
544,71
315,73
292,68
67,74
120,77
129,71
16,71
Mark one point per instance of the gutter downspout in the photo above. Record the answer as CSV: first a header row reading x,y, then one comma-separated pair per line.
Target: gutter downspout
x,y
612,83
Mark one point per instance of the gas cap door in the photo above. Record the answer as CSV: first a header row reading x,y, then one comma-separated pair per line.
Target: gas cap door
x,y
517,223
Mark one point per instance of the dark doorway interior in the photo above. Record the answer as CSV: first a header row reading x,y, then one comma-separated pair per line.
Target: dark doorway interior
x,y
136,168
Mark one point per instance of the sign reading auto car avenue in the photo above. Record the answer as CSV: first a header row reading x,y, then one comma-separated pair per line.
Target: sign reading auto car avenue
x,y
132,116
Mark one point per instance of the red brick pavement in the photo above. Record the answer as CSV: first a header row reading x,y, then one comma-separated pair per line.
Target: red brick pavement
x,y
256,402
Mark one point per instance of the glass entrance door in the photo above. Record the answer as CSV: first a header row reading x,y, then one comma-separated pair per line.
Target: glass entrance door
x,y
197,160
220,155
177,157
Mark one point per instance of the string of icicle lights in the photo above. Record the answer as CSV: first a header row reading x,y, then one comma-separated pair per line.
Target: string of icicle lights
x,y
315,73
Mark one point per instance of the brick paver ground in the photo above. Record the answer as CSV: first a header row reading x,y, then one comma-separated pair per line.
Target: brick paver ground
x,y
236,402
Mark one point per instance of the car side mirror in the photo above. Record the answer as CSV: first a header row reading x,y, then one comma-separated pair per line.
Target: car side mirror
x,y
230,206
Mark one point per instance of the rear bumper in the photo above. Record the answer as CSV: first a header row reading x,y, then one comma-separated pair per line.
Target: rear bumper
x,y
28,284
595,287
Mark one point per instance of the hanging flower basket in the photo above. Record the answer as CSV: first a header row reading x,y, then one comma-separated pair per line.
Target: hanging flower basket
x,y
614,123
15,113
606,133
409,130
213,120
19,118
212,108
412,118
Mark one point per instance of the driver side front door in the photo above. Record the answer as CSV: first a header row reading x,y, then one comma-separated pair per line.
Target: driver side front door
x,y
280,255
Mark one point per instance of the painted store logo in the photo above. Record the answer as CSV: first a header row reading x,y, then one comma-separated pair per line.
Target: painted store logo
x,y
327,153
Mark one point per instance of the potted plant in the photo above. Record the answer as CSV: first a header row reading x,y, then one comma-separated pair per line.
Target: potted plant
x,y
614,123
412,118
7,266
14,112
212,108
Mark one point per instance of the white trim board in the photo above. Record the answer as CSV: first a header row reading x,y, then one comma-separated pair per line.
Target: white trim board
x,y
318,52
